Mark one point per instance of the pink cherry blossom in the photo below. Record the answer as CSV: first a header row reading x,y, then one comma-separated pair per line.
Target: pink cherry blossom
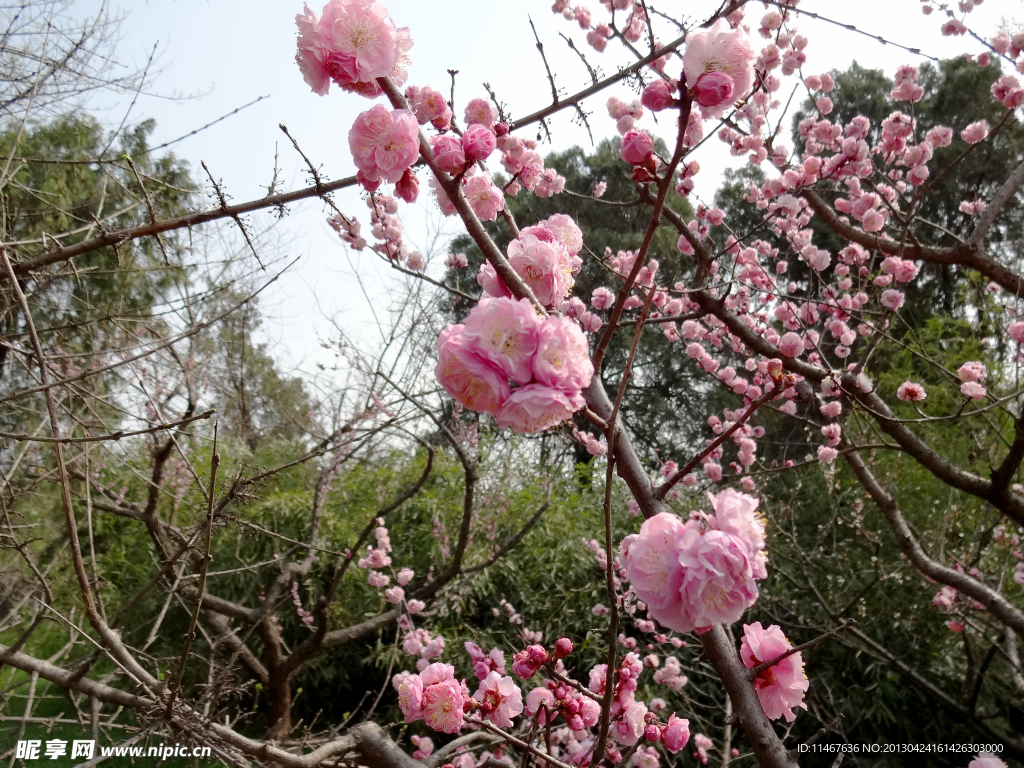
x,y
563,355
523,665
1016,331
603,298
791,345
443,699
500,699
782,686
892,299
713,89
973,390
410,698
471,378
944,598
636,147
657,95
544,267
537,698
424,747
652,562
718,579
736,514
384,144
975,132
312,52
448,153
478,142
630,725
483,196
504,332
972,371
831,410
481,111
428,105
911,392
395,595
986,760
675,734
827,454
565,231
363,44
720,49
536,408
408,188
405,576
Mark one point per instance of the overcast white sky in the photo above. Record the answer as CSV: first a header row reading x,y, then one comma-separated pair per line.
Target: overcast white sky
x,y
225,53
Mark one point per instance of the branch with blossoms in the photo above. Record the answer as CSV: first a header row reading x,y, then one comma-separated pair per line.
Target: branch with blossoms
x,y
521,357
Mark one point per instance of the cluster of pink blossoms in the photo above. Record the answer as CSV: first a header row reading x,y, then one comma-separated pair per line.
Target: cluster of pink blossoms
x,y
352,43
545,256
419,642
384,146
702,571
502,339
782,686
485,663
435,696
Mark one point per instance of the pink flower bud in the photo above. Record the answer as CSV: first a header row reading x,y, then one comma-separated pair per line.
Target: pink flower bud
x,y
448,154
657,96
501,129
713,89
408,187
478,142
563,647
523,666
652,733
636,147
538,655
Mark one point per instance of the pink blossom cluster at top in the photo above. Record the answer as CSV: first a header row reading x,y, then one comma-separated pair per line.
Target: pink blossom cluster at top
x,y
700,572
780,687
545,257
352,44
502,339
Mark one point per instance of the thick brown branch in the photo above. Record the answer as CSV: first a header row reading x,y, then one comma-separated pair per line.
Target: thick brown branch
x,y
994,602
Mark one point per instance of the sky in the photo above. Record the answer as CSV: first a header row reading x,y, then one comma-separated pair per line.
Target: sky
x,y
214,56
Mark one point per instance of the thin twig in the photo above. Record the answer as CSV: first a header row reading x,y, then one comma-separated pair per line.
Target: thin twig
x,y
201,588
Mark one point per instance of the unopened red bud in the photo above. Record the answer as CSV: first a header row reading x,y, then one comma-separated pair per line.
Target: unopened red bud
x,y
501,129
642,175
563,647
538,655
652,733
